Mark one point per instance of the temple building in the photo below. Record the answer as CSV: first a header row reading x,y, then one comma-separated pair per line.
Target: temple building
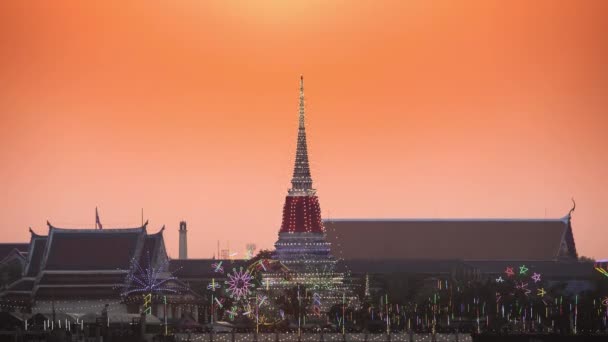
x,y
444,239
84,271
302,247
391,250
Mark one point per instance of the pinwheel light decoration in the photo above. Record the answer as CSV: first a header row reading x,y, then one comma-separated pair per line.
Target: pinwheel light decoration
x,y
239,283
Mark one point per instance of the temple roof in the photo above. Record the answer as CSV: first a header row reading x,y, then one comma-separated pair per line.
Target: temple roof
x,y
89,262
35,255
202,268
462,239
91,249
7,248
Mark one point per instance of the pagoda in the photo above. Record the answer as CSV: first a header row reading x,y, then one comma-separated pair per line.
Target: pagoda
x,y
302,246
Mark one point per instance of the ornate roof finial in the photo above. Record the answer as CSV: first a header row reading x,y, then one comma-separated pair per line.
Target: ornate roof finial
x,y
301,183
573,207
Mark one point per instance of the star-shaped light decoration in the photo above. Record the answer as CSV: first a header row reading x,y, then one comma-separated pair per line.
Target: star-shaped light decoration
x,y
523,269
605,302
541,292
509,271
500,280
536,277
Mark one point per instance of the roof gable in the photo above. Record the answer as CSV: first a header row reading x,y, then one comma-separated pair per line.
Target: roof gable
x,y
8,248
35,254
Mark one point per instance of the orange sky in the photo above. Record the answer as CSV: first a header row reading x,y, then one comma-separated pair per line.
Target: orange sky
x,y
188,109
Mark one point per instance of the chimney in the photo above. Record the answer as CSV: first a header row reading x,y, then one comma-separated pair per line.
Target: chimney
x,y
183,240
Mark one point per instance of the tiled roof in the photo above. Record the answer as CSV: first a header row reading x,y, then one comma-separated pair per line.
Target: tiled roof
x,y
91,249
23,284
474,239
201,268
37,247
7,248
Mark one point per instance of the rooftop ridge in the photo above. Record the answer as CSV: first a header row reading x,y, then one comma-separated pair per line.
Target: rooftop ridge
x,y
98,231
490,219
83,229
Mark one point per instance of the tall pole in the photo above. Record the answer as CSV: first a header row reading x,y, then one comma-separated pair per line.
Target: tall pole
x,y
387,318
343,312
165,300
257,311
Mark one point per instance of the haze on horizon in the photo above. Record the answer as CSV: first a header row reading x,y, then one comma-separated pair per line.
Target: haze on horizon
x,y
415,108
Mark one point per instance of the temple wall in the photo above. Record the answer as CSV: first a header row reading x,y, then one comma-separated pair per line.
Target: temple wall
x,y
79,306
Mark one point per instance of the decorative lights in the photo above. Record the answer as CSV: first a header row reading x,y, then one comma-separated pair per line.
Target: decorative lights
x,y
239,283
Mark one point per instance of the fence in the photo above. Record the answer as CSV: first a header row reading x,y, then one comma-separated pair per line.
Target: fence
x,y
317,337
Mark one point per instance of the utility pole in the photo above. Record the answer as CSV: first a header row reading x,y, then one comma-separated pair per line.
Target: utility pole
x,y
165,300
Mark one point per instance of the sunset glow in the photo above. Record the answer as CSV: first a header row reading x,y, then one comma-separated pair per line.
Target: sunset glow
x,y
188,109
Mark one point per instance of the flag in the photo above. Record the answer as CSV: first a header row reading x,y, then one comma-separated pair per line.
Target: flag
x,y
97,222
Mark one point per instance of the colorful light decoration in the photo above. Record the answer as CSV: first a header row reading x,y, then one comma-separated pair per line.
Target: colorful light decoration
x,y
148,304
523,287
213,285
247,310
523,269
541,292
605,301
217,267
500,280
509,271
598,267
219,302
232,313
316,302
152,280
262,300
536,277
239,283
